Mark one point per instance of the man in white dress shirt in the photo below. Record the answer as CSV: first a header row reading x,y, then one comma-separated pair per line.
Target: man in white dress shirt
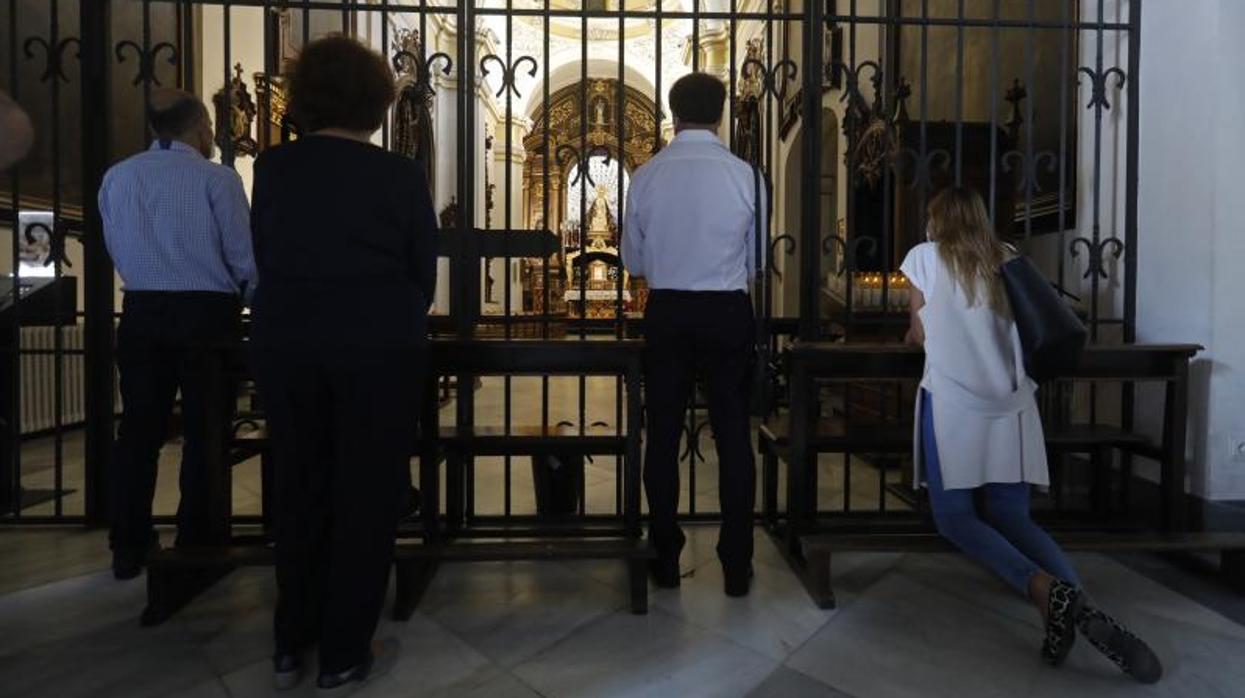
x,y
689,230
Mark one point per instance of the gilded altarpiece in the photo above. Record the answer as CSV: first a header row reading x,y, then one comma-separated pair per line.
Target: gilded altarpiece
x,y
568,153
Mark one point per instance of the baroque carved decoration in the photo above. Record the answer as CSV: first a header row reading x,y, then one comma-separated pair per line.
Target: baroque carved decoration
x,y
748,107
564,121
235,116
581,123
412,112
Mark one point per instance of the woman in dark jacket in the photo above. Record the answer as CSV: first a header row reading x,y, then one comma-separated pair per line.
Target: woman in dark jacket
x,y
345,240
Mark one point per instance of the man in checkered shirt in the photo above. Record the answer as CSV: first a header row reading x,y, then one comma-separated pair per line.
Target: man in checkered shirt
x,y
178,229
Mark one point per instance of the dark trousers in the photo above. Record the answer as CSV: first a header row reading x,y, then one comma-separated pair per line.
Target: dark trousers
x,y
711,333
164,342
342,426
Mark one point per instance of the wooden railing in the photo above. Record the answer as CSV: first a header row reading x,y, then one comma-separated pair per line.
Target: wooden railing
x,y
808,536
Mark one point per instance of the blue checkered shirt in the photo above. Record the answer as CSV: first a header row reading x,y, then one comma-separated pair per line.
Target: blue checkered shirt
x,y
174,221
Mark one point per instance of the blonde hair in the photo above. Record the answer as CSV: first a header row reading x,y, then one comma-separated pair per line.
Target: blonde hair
x,y
968,246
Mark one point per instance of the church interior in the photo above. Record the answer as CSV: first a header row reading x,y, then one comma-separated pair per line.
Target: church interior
x,y
1104,137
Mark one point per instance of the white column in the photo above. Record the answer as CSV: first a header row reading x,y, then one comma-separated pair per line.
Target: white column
x,y
445,148
517,130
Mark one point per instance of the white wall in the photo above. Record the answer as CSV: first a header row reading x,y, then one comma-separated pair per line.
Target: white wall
x,y
1191,214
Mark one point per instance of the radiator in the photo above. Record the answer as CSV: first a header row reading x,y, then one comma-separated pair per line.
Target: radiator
x,y
38,378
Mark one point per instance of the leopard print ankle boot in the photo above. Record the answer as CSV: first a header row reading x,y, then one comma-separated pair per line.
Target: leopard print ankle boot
x,y
1063,606
1133,656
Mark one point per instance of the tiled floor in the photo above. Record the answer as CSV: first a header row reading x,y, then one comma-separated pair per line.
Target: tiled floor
x,y
907,625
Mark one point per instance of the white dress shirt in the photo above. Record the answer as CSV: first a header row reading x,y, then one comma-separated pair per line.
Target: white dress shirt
x,y
689,221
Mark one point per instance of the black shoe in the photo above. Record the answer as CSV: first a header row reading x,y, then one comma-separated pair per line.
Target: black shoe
x,y
1116,643
128,563
737,581
287,671
665,568
380,661
1063,607
412,501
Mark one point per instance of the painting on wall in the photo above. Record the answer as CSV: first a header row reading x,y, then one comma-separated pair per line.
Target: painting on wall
x,y
1032,105
791,92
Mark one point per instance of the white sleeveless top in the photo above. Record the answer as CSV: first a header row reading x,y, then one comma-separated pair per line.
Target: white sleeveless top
x,y
986,420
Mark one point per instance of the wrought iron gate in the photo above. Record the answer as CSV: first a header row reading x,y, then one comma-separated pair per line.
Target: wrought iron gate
x,y
857,109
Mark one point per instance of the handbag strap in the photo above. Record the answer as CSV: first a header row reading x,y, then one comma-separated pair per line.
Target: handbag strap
x,y
1054,284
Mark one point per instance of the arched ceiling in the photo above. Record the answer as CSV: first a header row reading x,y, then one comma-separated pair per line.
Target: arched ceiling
x,y
571,72
566,50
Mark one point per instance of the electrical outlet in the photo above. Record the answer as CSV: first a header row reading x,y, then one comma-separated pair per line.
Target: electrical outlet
x,y
1236,446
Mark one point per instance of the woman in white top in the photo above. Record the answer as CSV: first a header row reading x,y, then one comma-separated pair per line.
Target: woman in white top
x,y
978,427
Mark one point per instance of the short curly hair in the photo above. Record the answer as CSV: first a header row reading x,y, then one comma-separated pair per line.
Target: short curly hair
x,y
337,82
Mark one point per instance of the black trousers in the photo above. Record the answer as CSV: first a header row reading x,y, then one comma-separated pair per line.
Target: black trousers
x,y
163,344
712,333
342,426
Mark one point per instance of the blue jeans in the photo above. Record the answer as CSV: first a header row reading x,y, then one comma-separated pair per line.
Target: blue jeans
x,y
1007,540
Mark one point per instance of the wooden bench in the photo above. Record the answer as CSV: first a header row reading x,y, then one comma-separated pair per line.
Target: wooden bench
x,y
832,435
807,536
177,576
459,444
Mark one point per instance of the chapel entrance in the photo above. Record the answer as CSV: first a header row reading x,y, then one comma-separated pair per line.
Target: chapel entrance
x,y
530,117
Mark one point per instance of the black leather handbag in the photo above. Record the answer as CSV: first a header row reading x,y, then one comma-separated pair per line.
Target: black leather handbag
x,y
1052,337
763,390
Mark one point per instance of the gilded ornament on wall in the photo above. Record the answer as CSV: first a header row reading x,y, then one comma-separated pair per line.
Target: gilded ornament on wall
x,y
412,112
235,114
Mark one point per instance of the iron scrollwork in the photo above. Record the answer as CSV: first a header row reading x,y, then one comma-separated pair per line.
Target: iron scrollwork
x,y
54,56
56,236
849,250
922,165
1098,83
692,452
788,243
1097,252
567,153
1028,167
405,61
852,77
147,59
770,77
509,73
